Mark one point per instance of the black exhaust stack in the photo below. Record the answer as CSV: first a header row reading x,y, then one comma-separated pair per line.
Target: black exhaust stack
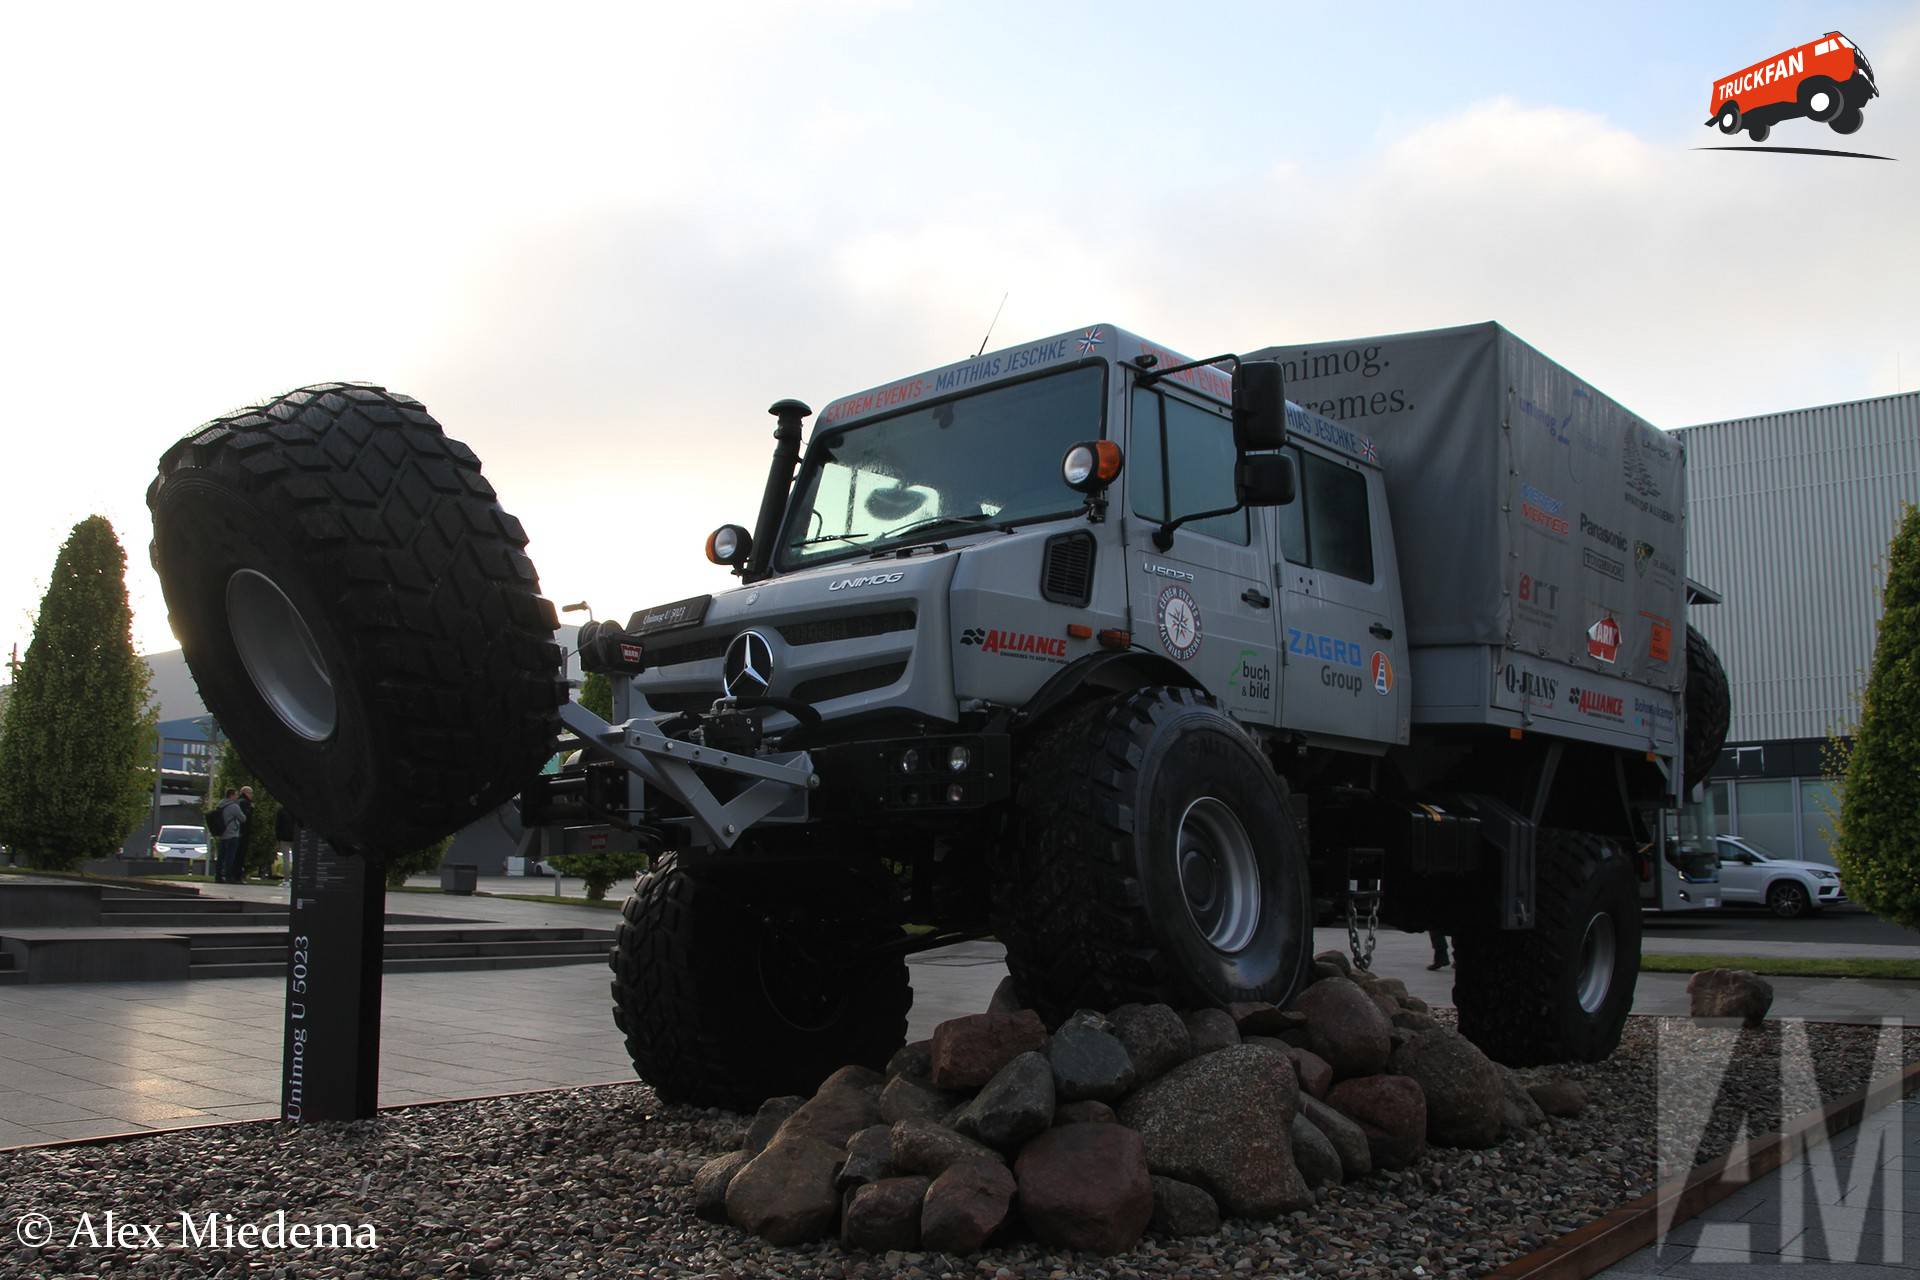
x,y
773,503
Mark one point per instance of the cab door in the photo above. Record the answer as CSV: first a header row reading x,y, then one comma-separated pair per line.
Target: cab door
x,y
1206,601
1343,643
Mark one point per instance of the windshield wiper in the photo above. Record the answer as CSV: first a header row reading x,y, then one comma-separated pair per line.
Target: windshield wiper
x,y
972,517
830,537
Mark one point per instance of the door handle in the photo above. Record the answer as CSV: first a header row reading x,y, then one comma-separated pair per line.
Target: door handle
x,y
1254,597
1384,632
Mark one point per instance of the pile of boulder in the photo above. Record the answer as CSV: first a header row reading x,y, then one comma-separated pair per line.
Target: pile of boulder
x,y
1112,1125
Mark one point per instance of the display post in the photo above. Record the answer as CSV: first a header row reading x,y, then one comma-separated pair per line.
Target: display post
x,y
330,1062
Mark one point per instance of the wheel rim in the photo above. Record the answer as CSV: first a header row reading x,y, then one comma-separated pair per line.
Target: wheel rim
x,y
798,990
1219,875
276,647
1597,954
1786,900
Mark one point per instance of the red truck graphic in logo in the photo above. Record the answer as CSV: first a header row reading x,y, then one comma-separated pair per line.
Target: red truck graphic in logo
x,y
1826,80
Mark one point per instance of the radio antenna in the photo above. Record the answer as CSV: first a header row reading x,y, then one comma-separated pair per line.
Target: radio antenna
x,y
989,333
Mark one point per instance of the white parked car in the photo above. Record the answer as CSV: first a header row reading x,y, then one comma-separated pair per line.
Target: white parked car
x,y
180,842
1751,876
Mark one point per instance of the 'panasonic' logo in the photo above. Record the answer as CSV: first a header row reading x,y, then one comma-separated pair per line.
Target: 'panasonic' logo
x,y
866,580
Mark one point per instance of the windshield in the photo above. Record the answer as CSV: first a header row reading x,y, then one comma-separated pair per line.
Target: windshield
x,y
181,835
1747,847
989,458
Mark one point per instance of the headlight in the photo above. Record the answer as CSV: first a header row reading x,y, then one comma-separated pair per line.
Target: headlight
x,y
163,848
958,759
729,544
1091,465
1825,875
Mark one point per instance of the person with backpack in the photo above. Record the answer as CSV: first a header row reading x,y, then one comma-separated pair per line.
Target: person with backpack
x,y
232,825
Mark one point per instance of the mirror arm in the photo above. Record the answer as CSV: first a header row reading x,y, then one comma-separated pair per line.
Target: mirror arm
x,y
1163,536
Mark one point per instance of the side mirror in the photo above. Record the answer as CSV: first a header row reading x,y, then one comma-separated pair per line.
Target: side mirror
x,y
1259,406
1264,480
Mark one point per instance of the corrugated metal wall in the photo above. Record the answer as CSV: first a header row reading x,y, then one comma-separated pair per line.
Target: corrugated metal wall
x,y
1789,517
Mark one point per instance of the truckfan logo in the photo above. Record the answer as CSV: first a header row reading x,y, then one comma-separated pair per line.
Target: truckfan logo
x,y
747,670
1826,81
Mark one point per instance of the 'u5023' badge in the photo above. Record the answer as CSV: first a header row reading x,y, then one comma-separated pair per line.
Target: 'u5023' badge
x,y
1179,618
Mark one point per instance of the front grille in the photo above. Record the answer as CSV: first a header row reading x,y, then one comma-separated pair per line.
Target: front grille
x,y
1066,571
824,630
826,688
667,655
698,700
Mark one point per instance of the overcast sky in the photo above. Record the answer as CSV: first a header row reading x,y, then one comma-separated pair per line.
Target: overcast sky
x,y
597,242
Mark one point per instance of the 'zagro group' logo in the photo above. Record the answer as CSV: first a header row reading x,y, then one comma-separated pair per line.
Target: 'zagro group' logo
x,y
1825,81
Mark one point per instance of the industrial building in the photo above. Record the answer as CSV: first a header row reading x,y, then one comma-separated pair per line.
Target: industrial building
x,y
1788,520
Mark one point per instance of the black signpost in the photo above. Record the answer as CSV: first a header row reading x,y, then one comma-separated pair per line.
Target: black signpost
x,y
331,1056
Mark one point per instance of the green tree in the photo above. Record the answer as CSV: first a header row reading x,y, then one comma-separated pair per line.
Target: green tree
x,y
419,862
77,750
600,870
1876,845
596,695
256,856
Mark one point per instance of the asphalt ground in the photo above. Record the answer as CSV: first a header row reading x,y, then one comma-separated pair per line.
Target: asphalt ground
x,y
1826,933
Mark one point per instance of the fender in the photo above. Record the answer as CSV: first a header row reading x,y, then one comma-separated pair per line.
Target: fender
x,y
1115,670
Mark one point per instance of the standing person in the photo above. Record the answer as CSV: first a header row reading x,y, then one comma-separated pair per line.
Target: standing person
x,y
246,835
1440,958
233,819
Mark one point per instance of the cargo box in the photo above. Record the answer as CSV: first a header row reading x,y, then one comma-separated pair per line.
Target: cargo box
x,y
1539,527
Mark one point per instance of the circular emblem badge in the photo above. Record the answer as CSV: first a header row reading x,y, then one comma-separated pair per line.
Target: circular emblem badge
x,y
1179,617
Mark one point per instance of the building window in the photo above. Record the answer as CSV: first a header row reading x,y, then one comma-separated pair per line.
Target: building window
x,y
1819,805
1767,815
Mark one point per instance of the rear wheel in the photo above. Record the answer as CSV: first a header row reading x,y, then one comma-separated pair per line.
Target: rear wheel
x,y
1155,860
1788,900
1820,98
1561,991
1757,131
358,612
1729,118
734,989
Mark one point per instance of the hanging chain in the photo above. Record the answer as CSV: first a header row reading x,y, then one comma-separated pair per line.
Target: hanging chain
x,y
1363,953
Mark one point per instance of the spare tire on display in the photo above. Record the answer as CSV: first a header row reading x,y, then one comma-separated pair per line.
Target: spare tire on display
x,y
1709,708
358,612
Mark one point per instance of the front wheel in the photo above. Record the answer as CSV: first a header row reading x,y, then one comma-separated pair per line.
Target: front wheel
x,y
1821,99
1848,121
731,990
1155,859
1788,900
1561,991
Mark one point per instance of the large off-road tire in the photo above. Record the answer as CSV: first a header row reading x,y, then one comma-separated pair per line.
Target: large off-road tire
x,y
734,989
358,612
1709,708
1154,858
1561,991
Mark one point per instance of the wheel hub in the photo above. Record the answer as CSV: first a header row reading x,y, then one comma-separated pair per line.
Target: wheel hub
x,y
1598,950
1219,875
277,648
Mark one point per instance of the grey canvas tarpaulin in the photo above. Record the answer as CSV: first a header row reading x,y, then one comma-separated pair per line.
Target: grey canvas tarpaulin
x,y
1532,516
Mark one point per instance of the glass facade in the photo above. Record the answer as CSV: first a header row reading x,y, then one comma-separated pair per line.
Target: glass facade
x,y
1788,817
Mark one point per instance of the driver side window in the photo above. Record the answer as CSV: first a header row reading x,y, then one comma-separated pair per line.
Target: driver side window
x,y
1182,461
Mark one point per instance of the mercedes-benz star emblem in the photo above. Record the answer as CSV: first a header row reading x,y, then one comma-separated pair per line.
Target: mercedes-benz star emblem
x,y
748,669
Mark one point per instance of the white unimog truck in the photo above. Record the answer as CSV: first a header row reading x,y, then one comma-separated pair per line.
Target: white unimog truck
x,y
1115,655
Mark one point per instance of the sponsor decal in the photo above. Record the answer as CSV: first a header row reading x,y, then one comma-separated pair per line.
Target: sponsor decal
x,y
866,580
1660,713
1659,637
1311,644
1600,533
1529,684
1642,556
1603,640
1601,706
1539,599
1179,620
1540,508
1016,644
1561,426
1343,680
1252,677
1606,565
1166,571
1382,673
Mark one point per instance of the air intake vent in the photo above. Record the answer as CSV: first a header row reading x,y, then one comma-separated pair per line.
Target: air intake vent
x,y
826,688
828,629
1066,571
668,655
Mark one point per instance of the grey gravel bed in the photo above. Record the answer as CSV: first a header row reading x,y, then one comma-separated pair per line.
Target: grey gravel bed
x,y
592,1182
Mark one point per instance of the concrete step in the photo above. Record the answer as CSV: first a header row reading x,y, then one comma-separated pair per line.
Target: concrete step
x,y
438,964
208,952
187,922
112,904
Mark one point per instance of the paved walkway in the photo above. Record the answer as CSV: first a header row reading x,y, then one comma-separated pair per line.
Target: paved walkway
x,y
1849,1208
